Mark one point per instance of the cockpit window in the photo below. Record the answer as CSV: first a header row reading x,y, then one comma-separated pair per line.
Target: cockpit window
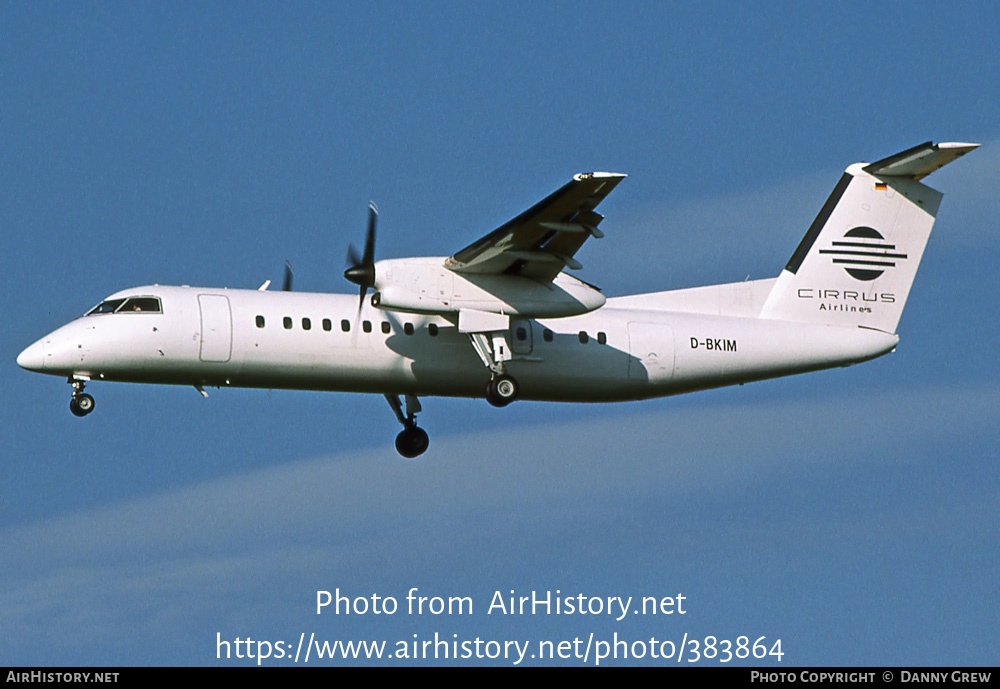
x,y
130,305
106,306
141,304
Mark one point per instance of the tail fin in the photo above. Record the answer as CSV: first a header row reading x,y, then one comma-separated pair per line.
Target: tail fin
x,y
857,262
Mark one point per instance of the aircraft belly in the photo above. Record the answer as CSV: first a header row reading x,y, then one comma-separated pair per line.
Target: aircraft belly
x,y
447,368
395,364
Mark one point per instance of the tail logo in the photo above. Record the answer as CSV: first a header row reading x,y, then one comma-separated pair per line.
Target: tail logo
x,y
863,253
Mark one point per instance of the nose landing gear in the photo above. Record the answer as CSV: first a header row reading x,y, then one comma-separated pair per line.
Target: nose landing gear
x,y
81,403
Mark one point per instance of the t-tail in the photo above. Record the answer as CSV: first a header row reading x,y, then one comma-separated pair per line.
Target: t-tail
x,y
856,264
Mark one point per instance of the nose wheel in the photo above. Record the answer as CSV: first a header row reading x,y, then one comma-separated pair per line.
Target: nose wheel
x,y
81,403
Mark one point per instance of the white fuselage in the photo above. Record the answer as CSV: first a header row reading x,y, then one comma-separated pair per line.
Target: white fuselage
x,y
631,348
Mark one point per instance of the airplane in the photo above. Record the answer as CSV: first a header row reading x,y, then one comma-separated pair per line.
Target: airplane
x,y
501,318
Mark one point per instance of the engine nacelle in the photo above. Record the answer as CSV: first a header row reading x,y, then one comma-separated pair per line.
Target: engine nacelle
x,y
424,285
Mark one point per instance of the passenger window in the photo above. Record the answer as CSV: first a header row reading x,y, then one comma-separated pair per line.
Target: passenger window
x,y
385,327
547,335
584,338
521,333
602,338
366,326
260,321
408,328
306,324
287,322
432,329
345,325
327,325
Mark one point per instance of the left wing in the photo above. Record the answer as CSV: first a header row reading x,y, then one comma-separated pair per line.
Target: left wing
x,y
540,242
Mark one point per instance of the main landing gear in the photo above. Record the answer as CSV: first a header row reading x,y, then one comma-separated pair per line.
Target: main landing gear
x,y
494,351
412,441
502,390
81,403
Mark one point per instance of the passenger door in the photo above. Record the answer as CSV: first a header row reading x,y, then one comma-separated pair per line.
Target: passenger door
x,y
216,328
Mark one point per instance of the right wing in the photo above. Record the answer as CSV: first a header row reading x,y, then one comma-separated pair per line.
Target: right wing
x,y
540,242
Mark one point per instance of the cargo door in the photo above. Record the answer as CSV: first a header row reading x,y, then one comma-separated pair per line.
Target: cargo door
x,y
651,347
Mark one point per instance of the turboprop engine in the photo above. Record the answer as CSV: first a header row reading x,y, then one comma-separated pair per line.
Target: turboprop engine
x,y
425,285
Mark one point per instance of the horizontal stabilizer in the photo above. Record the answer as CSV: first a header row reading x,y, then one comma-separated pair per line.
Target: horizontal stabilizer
x,y
919,161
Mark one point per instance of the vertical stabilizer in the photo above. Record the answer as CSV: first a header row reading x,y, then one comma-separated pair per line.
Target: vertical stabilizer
x,y
856,264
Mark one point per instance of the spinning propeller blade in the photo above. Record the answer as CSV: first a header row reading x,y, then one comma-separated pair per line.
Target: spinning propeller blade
x,y
361,271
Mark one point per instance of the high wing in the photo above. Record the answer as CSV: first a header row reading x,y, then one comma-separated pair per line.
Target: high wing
x,y
540,242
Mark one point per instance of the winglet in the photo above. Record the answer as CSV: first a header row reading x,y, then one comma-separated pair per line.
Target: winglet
x,y
919,161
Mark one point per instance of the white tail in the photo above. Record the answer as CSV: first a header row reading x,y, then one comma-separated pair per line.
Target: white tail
x,y
856,264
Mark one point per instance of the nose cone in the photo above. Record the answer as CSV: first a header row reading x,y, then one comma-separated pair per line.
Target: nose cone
x,y
32,358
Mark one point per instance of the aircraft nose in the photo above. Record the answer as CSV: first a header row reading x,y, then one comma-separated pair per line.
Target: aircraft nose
x,y
32,358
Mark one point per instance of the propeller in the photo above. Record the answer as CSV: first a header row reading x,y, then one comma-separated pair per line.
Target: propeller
x,y
287,285
361,270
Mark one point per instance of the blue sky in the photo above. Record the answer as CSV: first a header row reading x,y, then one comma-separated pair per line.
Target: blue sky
x,y
851,513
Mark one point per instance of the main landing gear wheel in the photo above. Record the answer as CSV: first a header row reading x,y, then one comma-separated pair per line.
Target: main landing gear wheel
x,y
502,390
412,442
81,404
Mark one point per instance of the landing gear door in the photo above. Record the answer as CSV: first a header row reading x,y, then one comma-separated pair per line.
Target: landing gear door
x,y
520,336
216,328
